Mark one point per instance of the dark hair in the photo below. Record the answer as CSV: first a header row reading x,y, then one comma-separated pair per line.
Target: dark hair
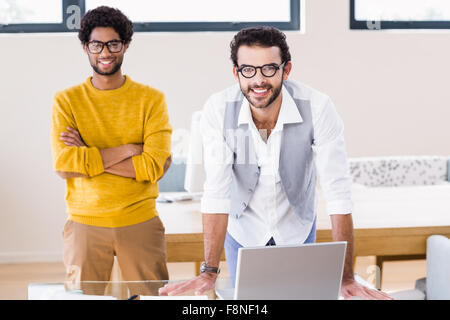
x,y
264,36
105,17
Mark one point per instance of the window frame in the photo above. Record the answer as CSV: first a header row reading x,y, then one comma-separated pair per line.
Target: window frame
x,y
293,24
45,27
384,24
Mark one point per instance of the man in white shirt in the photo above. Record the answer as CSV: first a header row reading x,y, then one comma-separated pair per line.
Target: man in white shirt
x,y
264,140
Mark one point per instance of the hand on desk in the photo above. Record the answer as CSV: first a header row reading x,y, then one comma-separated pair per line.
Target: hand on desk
x,y
200,284
206,281
351,288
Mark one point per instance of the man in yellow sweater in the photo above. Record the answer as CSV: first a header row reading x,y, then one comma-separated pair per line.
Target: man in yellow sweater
x,y
110,139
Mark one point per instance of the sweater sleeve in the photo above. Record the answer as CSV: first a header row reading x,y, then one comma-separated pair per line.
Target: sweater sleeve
x,y
84,160
149,165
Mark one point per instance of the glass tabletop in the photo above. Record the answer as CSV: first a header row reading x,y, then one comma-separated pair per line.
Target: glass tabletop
x,y
113,290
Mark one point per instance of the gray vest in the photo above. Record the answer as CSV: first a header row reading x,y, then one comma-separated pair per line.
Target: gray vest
x,y
296,166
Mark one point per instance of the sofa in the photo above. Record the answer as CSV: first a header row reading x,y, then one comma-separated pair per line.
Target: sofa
x,y
400,171
413,190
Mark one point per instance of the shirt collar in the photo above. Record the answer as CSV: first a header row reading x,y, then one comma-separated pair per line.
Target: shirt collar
x,y
289,112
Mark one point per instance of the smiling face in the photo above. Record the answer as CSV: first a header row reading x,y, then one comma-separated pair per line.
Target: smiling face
x,y
105,63
261,91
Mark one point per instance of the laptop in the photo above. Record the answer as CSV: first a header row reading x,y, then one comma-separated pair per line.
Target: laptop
x,y
289,272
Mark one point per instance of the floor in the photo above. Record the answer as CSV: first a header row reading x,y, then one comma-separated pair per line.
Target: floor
x,y
14,278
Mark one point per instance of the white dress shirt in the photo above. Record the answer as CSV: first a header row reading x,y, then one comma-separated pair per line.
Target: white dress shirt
x,y
269,213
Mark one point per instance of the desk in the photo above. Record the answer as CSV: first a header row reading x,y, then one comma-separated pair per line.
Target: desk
x,y
383,235
141,290
109,290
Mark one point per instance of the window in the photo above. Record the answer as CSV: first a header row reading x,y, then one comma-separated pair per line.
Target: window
x,y
151,15
399,14
40,16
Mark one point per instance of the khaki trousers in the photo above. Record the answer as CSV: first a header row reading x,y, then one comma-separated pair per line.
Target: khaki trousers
x,y
140,250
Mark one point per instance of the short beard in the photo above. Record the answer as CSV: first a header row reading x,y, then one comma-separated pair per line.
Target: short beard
x,y
275,95
110,73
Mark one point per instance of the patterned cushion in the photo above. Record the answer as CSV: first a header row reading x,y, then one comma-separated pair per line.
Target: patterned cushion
x,y
448,170
399,171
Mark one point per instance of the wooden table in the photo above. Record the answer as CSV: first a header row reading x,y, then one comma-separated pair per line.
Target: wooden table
x,y
373,237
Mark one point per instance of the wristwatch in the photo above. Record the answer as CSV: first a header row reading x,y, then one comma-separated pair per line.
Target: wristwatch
x,y
205,268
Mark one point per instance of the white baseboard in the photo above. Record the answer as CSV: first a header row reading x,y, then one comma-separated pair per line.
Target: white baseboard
x,y
24,257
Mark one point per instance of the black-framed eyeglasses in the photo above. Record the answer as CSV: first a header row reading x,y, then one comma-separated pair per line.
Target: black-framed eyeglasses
x,y
267,70
96,47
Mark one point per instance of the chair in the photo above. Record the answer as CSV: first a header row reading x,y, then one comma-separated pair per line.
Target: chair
x,y
436,286
173,180
186,171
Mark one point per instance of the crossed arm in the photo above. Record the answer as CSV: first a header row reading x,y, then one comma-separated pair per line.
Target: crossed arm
x,y
116,160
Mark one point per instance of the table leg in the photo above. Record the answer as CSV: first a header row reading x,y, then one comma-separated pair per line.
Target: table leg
x,y
197,267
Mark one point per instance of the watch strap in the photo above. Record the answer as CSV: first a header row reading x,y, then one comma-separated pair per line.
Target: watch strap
x,y
205,268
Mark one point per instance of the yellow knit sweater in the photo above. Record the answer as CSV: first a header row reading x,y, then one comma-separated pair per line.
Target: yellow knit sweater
x,y
134,113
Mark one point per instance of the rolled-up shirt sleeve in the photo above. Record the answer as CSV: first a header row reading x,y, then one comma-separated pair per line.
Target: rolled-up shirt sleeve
x,y
217,160
331,160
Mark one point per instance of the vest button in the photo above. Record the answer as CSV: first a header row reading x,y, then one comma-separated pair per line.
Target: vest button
x,y
250,190
244,205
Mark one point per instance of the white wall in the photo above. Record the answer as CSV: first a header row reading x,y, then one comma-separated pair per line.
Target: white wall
x,y
391,89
